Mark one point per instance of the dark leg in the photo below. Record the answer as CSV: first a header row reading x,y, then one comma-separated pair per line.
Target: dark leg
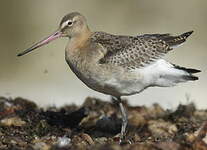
x,y
124,119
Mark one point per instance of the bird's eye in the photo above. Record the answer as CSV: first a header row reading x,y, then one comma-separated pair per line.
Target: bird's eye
x,y
70,23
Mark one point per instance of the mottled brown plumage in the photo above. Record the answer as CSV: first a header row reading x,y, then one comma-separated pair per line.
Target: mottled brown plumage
x,y
118,65
136,51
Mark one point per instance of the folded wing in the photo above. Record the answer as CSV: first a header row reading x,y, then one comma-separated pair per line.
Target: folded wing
x,y
136,51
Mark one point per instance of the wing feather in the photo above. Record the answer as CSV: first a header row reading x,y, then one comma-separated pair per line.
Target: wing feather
x,y
135,51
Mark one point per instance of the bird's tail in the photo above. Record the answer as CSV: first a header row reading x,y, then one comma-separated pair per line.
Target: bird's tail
x,y
189,72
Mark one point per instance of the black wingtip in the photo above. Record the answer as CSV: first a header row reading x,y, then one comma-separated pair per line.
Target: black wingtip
x,y
191,77
194,70
187,34
18,55
189,70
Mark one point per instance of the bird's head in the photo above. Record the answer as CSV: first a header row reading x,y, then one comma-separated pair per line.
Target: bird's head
x,y
72,25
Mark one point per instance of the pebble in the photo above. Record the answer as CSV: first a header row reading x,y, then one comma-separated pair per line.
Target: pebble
x,y
12,121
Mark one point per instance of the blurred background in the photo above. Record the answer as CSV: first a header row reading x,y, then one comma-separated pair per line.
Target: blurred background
x,y
44,76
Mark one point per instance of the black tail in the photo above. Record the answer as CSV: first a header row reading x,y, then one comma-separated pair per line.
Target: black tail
x,y
190,71
190,77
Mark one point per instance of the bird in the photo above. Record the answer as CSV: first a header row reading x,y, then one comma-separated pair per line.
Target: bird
x,y
118,65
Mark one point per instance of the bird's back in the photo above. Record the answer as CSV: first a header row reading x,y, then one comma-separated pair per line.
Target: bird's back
x,y
136,51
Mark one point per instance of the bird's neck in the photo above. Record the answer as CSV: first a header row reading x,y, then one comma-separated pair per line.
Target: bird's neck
x,y
78,47
80,40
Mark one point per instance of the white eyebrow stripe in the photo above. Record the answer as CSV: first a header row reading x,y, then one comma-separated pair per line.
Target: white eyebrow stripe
x,y
65,24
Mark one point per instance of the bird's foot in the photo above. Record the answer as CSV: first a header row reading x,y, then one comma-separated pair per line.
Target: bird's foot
x,y
123,141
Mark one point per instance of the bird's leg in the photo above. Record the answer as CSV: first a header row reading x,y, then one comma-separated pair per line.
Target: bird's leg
x,y
124,120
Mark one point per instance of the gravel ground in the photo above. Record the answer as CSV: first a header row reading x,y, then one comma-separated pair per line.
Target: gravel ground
x,y
95,125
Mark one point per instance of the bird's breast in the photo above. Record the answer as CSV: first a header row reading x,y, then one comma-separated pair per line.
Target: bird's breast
x,y
85,68
101,77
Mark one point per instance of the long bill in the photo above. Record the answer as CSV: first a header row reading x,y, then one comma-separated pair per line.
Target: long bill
x,y
45,41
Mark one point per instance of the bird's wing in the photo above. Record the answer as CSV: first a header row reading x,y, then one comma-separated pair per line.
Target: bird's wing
x,y
136,51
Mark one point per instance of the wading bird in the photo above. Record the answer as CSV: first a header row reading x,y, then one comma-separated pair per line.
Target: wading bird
x,y
118,65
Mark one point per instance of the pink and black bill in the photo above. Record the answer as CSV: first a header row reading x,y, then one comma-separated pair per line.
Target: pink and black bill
x,y
45,41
